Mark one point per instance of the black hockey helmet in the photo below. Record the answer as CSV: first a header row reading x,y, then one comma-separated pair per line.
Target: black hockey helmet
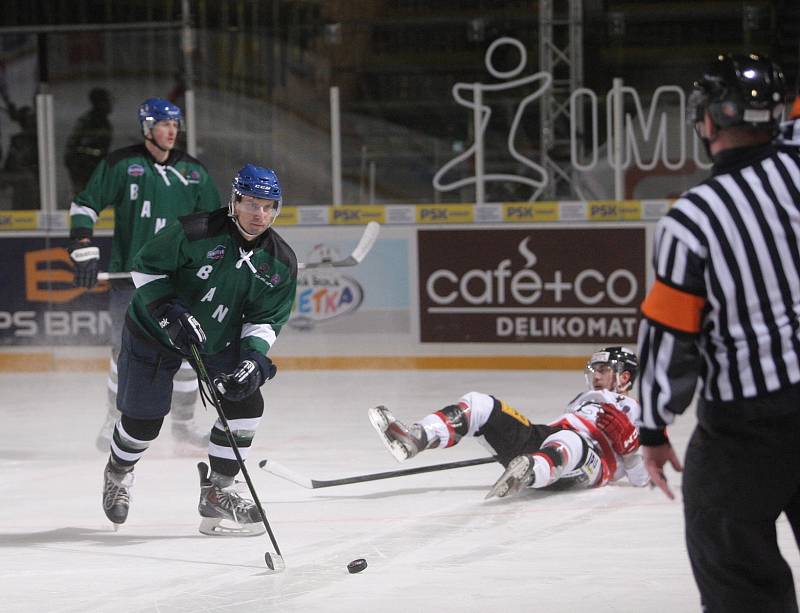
x,y
620,359
746,89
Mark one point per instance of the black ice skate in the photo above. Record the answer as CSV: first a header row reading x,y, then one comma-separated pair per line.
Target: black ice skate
x,y
518,474
402,441
117,494
224,512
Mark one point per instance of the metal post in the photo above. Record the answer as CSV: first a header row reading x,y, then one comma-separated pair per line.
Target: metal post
x,y
187,47
47,154
372,181
618,127
478,129
336,148
362,175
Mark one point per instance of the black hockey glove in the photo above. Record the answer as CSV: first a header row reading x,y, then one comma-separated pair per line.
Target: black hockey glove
x,y
181,327
251,374
86,258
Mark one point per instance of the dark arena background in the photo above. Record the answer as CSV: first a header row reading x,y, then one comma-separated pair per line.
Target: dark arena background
x,y
517,156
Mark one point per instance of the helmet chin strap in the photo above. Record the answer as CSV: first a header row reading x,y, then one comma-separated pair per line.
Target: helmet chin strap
x,y
244,232
619,387
155,143
706,139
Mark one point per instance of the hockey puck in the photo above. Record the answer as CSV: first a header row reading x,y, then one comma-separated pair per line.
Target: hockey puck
x,y
356,566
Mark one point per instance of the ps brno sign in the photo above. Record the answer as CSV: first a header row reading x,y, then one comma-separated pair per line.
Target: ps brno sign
x,y
579,285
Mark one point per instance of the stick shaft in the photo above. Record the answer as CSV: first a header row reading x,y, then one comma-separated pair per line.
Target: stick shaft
x,y
206,379
280,471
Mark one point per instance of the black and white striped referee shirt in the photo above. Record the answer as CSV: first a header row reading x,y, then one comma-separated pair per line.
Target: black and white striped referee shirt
x,y
725,305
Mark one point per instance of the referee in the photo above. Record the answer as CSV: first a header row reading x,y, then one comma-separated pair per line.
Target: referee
x,y
725,311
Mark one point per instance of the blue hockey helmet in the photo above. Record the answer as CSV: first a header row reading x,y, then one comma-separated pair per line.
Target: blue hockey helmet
x,y
258,182
154,110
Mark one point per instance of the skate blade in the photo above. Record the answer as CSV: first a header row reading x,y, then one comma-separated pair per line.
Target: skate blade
x,y
499,490
510,482
275,563
381,425
216,526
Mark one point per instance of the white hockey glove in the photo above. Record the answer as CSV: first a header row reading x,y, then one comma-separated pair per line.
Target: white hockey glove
x,y
86,259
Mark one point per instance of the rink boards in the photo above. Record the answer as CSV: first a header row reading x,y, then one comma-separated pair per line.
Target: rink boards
x,y
445,286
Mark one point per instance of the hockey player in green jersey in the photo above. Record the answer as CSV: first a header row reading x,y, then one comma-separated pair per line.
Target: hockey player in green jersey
x,y
224,282
149,185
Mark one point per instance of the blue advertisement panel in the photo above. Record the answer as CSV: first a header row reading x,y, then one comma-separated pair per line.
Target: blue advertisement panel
x,y
39,305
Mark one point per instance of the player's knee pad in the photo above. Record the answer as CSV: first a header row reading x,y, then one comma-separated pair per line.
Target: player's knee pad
x,y
140,429
479,408
566,448
456,418
582,466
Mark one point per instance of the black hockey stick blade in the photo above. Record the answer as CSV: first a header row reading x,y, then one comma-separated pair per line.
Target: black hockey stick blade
x,y
275,562
279,470
358,254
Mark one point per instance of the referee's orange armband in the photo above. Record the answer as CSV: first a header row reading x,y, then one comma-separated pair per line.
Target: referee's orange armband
x,y
673,308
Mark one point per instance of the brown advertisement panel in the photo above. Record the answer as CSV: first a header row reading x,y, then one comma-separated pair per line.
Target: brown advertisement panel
x,y
542,285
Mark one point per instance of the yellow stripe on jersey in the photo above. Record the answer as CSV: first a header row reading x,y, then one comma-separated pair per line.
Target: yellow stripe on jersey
x,y
514,413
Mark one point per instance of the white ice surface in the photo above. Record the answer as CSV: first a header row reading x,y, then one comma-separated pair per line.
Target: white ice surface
x,y
431,541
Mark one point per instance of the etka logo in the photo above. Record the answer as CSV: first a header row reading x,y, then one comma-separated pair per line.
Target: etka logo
x,y
323,294
543,286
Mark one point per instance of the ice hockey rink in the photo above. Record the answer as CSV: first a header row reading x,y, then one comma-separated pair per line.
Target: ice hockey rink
x,y
431,541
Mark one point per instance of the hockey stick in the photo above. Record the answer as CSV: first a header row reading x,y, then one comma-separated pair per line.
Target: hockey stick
x,y
274,560
358,254
361,250
108,276
271,466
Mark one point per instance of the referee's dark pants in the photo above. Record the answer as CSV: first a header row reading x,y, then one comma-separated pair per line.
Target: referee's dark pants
x,y
742,471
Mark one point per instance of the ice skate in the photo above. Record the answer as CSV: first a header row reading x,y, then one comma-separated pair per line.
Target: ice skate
x,y
403,442
224,512
117,494
190,432
518,474
103,440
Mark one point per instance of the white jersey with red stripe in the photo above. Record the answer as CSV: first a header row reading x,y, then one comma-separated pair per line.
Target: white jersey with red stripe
x,y
581,416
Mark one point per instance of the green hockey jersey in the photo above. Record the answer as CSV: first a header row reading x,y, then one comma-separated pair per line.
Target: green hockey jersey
x,y
234,288
146,196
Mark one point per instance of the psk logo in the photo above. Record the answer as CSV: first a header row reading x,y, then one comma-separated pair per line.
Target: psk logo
x,y
135,170
216,253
